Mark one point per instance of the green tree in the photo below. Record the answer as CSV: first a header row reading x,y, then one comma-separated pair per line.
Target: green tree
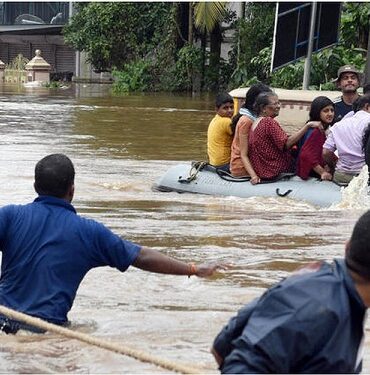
x,y
351,49
254,32
208,17
116,33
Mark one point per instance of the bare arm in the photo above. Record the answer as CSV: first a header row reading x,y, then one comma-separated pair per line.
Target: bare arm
x,y
295,137
154,261
329,158
243,139
324,175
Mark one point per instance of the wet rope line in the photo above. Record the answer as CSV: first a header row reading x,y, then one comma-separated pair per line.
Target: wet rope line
x,y
121,349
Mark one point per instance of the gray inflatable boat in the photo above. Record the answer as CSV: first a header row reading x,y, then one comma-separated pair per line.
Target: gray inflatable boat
x,y
201,178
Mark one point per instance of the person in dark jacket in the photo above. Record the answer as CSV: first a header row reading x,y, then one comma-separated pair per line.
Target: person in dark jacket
x,y
311,322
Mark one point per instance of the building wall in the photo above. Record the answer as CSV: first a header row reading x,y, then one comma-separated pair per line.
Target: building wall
x,y
61,57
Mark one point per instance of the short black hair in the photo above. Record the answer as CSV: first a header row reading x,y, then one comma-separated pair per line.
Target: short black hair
x,y
358,251
223,98
366,88
54,175
317,105
360,102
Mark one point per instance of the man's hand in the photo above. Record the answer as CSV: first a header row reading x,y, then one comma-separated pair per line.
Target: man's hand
x,y
208,269
154,261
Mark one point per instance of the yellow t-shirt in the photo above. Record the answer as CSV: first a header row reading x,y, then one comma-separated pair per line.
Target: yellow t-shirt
x,y
219,139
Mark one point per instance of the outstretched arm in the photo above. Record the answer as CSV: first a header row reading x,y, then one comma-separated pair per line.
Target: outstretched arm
x,y
154,261
295,137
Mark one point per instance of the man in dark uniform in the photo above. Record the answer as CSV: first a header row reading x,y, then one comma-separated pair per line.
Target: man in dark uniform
x,y
311,322
348,80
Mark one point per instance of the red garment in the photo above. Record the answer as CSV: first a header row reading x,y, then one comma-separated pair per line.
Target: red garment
x,y
267,151
311,154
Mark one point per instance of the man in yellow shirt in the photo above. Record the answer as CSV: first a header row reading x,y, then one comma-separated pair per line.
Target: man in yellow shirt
x,y
220,134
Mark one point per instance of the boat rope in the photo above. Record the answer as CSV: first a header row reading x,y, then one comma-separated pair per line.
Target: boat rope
x,y
228,177
194,170
114,347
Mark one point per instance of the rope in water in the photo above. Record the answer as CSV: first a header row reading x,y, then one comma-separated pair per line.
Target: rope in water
x,y
122,349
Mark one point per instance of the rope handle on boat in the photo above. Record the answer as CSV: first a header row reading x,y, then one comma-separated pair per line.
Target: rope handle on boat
x,y
121,349
194,170
283,194
228,177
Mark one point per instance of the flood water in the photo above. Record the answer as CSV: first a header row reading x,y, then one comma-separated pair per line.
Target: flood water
x,y
119,146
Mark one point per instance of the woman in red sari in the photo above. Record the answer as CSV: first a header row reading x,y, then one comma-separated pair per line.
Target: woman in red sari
x,y
310,162
269,146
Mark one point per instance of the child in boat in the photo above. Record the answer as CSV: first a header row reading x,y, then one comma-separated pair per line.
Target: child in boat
x,y
310,161
220,134
240,164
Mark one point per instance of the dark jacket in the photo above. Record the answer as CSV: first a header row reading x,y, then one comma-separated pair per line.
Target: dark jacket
x,y
311,322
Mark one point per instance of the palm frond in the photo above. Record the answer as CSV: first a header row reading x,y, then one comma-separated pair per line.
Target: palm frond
x,y
209,14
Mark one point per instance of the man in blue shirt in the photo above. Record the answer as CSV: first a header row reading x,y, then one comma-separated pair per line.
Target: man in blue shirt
x,y
47,249
348,80
311,322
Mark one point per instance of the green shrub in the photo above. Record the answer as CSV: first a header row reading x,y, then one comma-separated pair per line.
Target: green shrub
x,y
135,76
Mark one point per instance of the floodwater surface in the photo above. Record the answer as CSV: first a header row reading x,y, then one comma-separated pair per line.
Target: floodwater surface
x,y
119,146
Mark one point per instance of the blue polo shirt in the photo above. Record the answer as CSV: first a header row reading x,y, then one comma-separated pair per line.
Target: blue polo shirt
x,y
47,250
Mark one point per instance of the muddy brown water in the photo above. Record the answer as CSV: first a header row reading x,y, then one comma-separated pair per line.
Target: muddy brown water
x,y
119,146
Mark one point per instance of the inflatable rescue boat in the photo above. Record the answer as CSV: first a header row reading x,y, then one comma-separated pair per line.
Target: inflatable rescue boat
x,y
201,178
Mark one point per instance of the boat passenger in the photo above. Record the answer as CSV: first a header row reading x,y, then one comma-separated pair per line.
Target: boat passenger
x,y
366,149
269,146
366,90
220,134
240,164
345,137
348,80
47,249
310,161
309,323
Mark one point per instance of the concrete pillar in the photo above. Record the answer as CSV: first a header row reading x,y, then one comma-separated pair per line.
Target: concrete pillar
x,y
2,68
38,69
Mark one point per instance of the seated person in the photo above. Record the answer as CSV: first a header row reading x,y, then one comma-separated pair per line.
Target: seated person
x,y
240,164
346,137
366,149
366,90
220,134
310,162
269,145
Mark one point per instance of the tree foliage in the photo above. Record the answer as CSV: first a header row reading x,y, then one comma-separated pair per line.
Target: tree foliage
x,y
209,14
253,34
116,33
351,49
146,47
355,24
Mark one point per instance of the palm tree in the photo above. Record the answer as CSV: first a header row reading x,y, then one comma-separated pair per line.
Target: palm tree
x,y
208,17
